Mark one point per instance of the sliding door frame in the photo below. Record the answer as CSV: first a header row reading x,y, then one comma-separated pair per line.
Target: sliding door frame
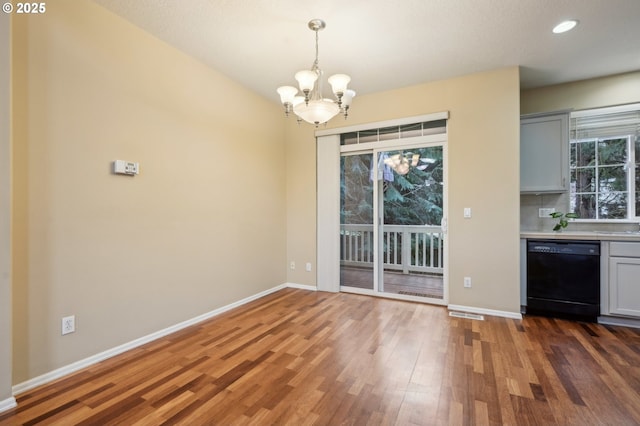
x,y
328,156
328,213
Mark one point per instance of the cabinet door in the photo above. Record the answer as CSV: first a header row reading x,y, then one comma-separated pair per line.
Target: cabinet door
x,y
544,147
523,272
624,286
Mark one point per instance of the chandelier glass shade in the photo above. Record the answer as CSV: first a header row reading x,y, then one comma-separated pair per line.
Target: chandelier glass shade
x,y
311,106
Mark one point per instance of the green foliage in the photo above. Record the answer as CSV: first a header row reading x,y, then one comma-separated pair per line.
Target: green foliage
x,y
356,190
415,198
599,177
421,193
563,219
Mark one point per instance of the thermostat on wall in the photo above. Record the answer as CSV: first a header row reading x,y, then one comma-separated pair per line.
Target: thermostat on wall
x,y
122,167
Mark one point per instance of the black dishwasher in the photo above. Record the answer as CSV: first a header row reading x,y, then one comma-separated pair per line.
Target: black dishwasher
x,y
563,279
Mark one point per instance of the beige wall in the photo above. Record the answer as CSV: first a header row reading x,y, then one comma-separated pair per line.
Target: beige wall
x,y
202,226
301,201
5,209
483,174
598,92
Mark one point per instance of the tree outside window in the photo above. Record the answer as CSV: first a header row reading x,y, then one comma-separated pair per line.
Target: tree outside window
x,y
600,178
605,162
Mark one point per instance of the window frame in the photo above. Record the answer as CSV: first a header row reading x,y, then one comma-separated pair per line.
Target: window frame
x,y
607,123
630,168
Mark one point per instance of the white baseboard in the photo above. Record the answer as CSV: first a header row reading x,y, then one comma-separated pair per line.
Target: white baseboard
x,y
482,311
8,404
621,321
302,286
71,368
78,365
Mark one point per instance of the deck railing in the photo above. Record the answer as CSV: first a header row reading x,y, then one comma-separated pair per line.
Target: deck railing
x,y
407,248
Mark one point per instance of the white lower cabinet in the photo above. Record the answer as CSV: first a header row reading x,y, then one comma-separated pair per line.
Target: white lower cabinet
x,y
523,272
624,279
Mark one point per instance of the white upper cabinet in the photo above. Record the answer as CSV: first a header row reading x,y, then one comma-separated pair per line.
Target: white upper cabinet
x,y
544,153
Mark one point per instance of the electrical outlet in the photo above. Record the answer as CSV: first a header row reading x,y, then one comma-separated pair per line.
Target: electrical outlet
x,y
68,324
292,265
308,266
467,282
546,212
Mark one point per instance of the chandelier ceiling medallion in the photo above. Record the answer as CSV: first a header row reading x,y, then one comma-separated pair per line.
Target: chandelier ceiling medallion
x,y
312,107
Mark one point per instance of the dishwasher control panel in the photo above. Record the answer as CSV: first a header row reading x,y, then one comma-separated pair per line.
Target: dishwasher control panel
x,y
568,247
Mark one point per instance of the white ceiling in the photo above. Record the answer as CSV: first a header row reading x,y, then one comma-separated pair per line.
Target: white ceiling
x,y
385,44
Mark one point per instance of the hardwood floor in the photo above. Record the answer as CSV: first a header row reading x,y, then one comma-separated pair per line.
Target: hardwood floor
x,y
299,357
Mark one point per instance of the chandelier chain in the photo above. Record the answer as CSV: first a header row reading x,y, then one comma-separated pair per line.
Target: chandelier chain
x,y
316,63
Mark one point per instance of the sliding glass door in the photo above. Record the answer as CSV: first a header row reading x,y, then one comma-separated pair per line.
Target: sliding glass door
x,y
391,212
357,256
410,206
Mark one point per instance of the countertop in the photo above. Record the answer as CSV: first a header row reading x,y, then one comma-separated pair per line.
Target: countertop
x,y
583,235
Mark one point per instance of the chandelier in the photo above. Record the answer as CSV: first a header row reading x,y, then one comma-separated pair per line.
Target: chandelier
x,y
312,107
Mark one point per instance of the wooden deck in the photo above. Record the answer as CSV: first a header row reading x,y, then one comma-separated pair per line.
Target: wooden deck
x,y
298,357
412,284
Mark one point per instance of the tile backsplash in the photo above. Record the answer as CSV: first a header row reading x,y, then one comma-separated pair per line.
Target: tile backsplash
x,y
529,205
529,220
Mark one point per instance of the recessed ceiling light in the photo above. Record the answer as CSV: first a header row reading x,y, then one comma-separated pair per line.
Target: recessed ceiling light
x,y
565,26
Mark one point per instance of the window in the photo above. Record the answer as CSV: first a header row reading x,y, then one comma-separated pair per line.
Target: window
x,y
599,178
605,163
394,132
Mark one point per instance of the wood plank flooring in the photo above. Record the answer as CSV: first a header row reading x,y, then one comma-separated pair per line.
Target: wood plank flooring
x,y
298,357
